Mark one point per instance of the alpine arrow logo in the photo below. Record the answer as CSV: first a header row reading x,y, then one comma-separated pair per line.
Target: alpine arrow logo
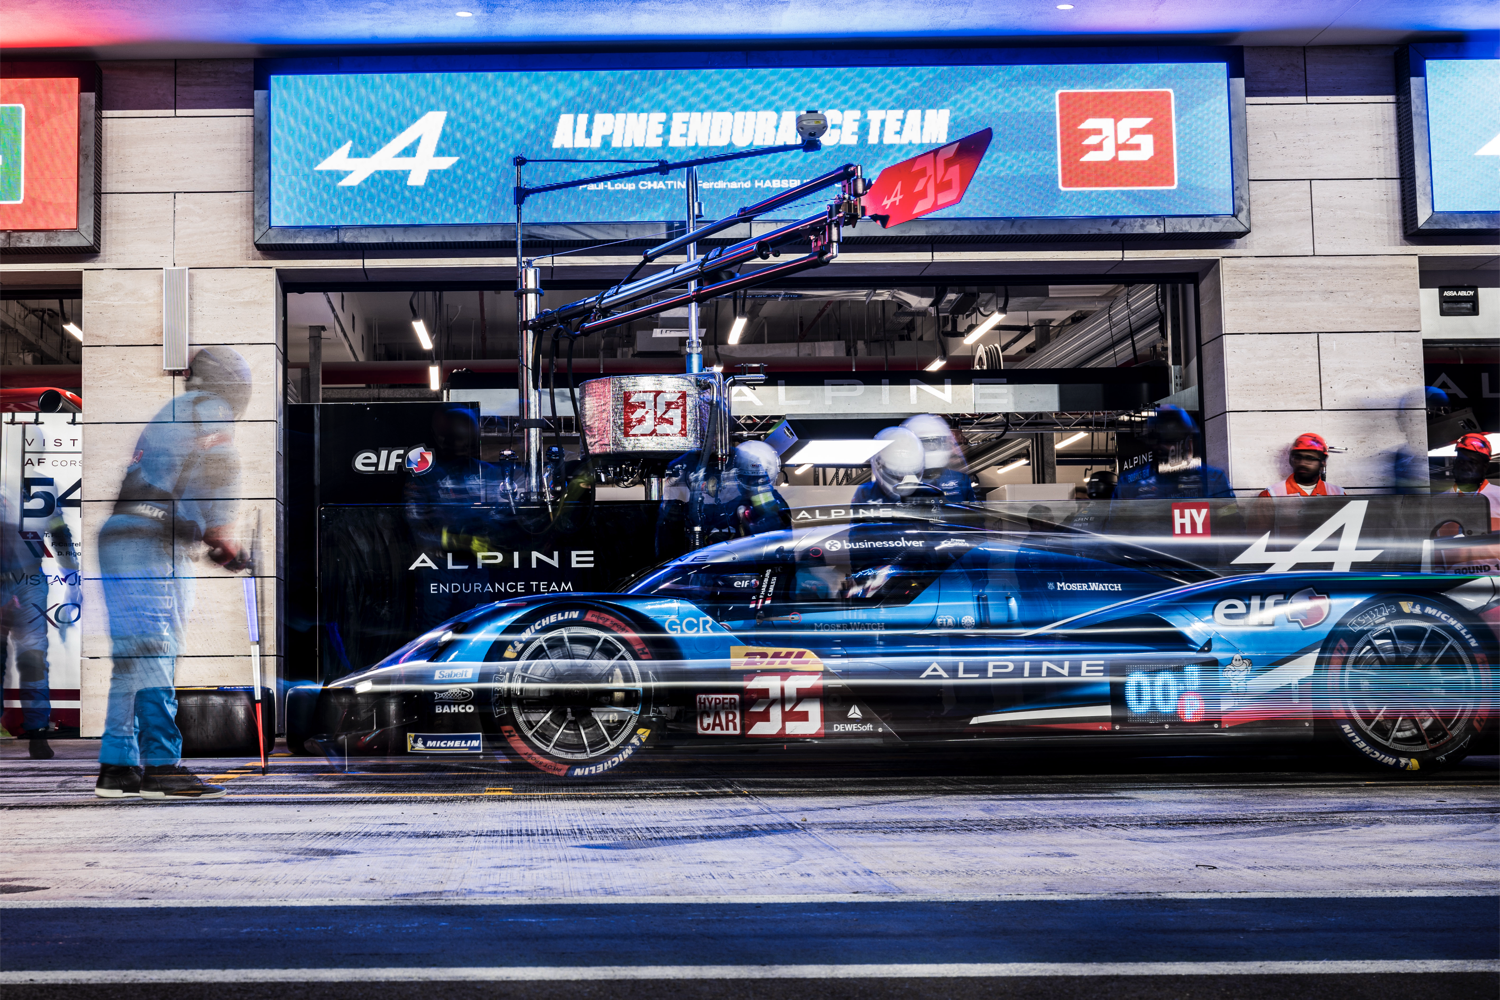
x,y
424,132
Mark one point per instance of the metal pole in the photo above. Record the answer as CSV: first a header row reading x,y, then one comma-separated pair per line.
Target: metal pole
x,y
529,303
695,340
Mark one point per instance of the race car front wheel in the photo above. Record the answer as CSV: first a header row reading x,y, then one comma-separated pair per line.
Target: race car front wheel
x,y
574,696
1405,682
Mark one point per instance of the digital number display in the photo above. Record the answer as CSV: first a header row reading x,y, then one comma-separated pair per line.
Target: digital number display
x,y
1173,694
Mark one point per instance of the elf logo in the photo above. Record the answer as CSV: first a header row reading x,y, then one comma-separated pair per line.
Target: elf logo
x,y
375,461
1111,140
425,132
1307,608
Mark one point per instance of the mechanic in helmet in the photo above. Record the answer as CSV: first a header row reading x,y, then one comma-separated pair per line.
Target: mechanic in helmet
x,y
703,504
1175,472
942,457
178,499
1309,460
896,471
1471,463
1101,485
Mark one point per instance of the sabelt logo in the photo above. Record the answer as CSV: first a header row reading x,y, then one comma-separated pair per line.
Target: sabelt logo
x,y
455,673
770,658
1116,140
387,461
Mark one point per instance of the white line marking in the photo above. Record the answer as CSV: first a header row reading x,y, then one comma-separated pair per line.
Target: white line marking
x,y
679,973
1040,714
1436,892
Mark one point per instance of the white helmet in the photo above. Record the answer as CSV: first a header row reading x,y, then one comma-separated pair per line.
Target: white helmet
x,y
897,468
937,438
756,462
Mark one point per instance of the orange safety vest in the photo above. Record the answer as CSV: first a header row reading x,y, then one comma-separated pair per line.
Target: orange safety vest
x,y
1490,492
1291,489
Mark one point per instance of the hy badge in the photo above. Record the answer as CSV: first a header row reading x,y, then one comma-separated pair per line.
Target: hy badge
x,y
425,132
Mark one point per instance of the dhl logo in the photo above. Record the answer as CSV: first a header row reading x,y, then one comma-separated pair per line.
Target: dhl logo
x,y
765,658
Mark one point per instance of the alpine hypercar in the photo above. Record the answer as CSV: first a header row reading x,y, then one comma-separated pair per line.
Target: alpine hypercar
x,y
876,629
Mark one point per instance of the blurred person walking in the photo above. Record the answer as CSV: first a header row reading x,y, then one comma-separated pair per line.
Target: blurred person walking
x,y
178,494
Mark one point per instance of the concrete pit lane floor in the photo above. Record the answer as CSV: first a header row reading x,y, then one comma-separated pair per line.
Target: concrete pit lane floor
x,y
773,874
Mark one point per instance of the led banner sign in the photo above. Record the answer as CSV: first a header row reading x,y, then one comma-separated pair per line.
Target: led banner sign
x,y
1146,146
1450,104
48,138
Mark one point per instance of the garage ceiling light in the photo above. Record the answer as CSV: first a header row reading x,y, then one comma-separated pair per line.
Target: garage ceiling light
x,y
835,452
936,364
737,329
985,327
422,336
434,377
73,329
1012,465
1074,439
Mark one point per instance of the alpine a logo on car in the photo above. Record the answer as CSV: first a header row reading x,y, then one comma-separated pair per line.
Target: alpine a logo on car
x,y
425,132
718,715
455,674
1307,608
418,460
771,658
1346,524
444,742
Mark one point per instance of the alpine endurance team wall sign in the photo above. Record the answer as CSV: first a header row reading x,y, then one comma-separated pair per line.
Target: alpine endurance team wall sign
x,y
1450,130
1101,141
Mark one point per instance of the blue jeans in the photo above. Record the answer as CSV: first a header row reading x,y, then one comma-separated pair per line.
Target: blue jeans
x,y
23,617
148,596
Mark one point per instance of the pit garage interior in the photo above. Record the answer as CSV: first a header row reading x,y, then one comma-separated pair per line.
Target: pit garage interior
x,y
356,344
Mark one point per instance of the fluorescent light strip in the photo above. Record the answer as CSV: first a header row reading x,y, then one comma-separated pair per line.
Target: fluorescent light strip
x,y
73,329
984,328
1013,465
804,468
936,364
1074,439
737,329
434,377
422,337
835,452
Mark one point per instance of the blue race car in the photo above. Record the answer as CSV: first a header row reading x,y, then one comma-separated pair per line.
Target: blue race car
x,y
879,628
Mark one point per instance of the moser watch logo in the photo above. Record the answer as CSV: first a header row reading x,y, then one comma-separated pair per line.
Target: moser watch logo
x,y
1116,140
377,461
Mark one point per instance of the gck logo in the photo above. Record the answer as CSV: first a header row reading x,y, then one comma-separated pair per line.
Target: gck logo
x,y
425,132
1116,140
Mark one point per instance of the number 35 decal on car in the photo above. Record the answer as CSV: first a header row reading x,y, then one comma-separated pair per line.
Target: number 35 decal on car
x,y
783,705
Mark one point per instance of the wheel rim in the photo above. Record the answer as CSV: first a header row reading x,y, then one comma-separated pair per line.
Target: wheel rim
x,y
1409,686
576,693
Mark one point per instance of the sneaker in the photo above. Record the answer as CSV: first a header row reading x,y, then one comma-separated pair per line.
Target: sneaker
x,y
116,781
173,781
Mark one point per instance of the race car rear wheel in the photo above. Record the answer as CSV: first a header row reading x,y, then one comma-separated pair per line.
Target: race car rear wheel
x,y
575,698
1406,681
